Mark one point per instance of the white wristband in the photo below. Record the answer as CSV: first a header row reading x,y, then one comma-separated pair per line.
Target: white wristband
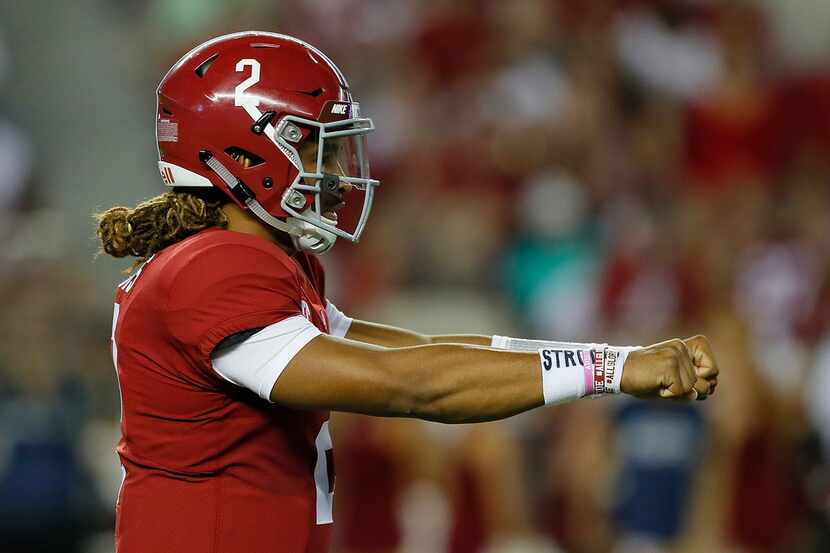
x,y
521,344
572,370
567,373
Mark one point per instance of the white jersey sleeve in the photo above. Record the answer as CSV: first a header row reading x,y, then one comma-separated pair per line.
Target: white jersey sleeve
x,y
339,323
258,362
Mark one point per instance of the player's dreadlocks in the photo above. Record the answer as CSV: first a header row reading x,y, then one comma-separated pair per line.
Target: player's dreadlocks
x,y
158,222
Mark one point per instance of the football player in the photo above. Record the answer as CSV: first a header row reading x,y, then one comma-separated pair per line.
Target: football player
x,y
230,356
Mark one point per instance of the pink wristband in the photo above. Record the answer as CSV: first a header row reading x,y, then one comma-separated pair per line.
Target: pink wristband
x,y
587,358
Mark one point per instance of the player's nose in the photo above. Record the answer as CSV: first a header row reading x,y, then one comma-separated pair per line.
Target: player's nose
x,y
333,191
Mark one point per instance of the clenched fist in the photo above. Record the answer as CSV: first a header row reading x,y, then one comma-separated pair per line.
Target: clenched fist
x,y
672,369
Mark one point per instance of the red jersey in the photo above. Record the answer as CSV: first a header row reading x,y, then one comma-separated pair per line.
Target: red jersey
x,y
209,466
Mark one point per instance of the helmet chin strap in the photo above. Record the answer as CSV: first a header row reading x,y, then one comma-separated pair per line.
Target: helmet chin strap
x,y
311,238
304,235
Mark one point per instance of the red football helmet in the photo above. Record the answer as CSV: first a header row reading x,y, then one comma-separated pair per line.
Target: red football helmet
x,y
263,96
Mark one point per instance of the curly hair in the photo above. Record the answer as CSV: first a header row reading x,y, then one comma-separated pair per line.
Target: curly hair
x,y
157,223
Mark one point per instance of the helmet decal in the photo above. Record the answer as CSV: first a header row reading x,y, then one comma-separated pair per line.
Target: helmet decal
x,y
247,101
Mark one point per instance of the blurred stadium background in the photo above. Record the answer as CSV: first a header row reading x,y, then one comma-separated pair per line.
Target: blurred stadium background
x,y
624,170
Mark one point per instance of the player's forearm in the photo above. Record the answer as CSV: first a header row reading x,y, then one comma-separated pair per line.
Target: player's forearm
x,y
453,383
384,335
469,339
393,337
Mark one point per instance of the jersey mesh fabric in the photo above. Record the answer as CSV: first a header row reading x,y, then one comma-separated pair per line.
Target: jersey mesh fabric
x,y
209,465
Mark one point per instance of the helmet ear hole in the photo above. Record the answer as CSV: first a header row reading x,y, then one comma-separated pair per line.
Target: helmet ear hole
x,y
244,157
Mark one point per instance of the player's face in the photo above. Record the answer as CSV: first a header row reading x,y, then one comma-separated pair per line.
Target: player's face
x,y
333,160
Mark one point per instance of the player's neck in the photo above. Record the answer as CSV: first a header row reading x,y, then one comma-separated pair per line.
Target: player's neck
x,y
242,221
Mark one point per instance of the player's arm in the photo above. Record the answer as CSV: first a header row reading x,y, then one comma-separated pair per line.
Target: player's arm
x,y
393,337
455,383
388,336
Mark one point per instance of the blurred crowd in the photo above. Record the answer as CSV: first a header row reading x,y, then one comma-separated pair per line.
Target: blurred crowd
x,y
597,170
